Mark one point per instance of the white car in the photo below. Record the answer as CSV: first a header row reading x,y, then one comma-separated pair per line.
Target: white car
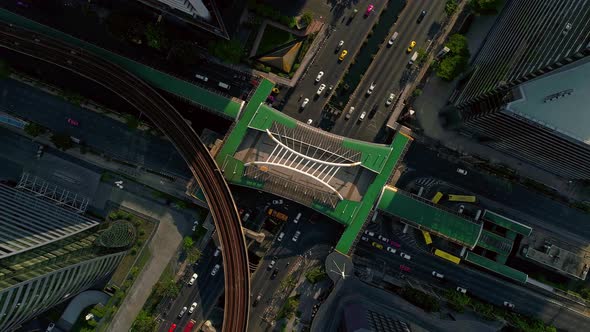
x,y
182,312
192,308
193,279
509,304
309,121
383,238
277,201
281,236
296,236
216,252
304,103
340,44
272,264
349,113
461,290
215,269
393,38
369,233
319,77
461,171
390,99
405,256
50,327
391,250
461,208
364,238
321,89
362,117
438,275
371,88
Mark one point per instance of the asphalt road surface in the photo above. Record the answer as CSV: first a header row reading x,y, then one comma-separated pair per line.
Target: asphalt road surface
x,y
479,284
326,60
423,162
316,239
205,291
390,70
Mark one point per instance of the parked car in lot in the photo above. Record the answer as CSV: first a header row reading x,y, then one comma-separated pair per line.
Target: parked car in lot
x,y
50,327
377,245
182,312
277,201
391,250
461,208
395,244
193,279
383,238
438,275
281,236
297,217
461,171
343,55
296,236
509,305
215,270
405,268
369,233
461,290
192,308
405,256
319,77
364,238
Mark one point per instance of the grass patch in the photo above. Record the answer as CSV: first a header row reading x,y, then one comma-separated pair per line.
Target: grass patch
x,y
273,37
289,308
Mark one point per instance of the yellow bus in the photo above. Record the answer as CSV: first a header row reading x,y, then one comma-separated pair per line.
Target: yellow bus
x,y
427,237
447,256
461,198
437,197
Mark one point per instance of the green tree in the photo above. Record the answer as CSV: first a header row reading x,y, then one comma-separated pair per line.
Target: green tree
x,y
306,18
61,141
451,7
288,282
227,50
485,7
167,288
144,322
451,67
457,301
315,275
193,255
156,37
34,129
187,243
457,44
421,55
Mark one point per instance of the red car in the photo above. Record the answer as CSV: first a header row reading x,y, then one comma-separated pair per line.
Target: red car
x,y
172,327
405,268
369,10
395,244
189,326
73,122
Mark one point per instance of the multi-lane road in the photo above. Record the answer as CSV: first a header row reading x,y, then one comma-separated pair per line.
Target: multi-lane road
x,y
389,68
169,121
561,313
353,34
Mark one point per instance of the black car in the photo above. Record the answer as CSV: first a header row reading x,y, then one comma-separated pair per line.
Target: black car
x,y
373,111
274,273
421,17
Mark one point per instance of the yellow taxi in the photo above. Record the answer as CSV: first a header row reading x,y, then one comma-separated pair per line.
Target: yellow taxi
x,y
343,55
411,47
377,245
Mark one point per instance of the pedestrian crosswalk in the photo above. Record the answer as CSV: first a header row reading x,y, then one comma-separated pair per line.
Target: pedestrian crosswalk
x,y
427,182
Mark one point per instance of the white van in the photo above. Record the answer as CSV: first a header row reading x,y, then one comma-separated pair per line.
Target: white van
x,y
362,117
193,279
296,220
223,85
202,78
413,58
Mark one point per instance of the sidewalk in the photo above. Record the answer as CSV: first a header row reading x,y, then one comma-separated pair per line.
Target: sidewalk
x,y
433,99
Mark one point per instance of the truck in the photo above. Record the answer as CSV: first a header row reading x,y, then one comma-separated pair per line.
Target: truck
x,y
413,58
277,215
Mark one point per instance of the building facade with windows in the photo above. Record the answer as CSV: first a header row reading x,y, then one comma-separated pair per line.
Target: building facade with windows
x,y
49,253
528,87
